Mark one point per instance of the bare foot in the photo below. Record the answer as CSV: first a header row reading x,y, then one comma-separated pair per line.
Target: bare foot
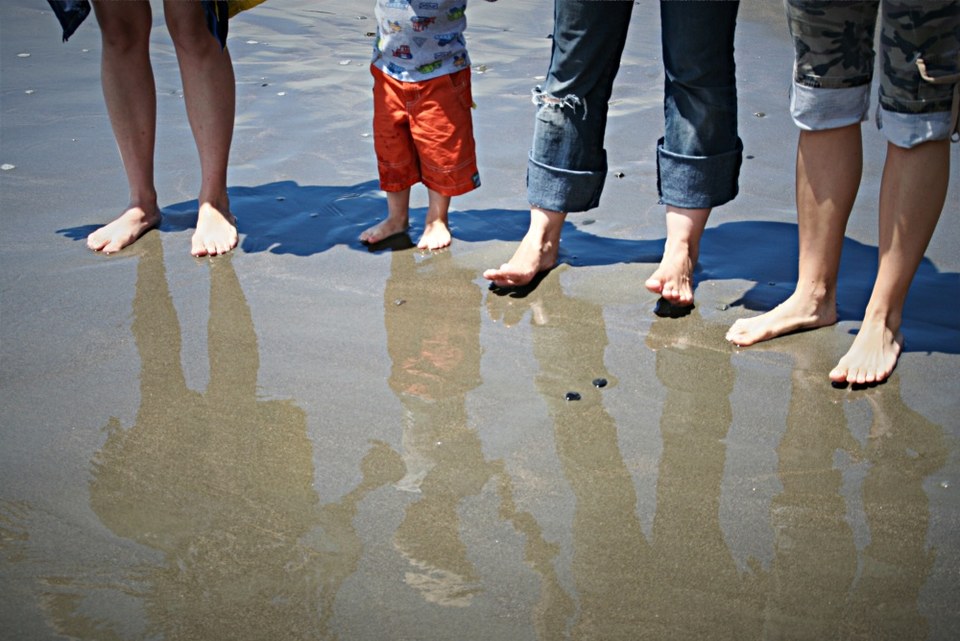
x,y
673,279
216,231
128,227
872,356
436,235
538,251
383,230
797,312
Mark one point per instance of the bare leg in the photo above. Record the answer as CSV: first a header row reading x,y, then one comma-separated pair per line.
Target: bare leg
x,y
131,99
209,90
829,164
673,279
912,193
436,229
538,251
397,221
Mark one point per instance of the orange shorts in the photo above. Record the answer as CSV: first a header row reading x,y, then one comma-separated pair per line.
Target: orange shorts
x,y
423,132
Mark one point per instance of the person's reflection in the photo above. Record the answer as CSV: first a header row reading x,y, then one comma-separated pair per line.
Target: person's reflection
x,y
903,449
221,484
695,571
432,317
684,583
821,588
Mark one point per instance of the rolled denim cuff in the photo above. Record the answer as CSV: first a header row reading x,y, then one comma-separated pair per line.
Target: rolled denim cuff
x,y
819,108
698,182
563,190
909,130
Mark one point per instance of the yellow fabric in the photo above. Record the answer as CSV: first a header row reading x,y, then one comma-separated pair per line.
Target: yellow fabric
x,y
236,6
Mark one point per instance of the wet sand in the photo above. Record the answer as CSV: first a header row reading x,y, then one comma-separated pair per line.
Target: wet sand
x,y
308,439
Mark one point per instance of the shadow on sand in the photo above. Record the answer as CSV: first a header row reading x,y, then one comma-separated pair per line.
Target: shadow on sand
x,y
287,218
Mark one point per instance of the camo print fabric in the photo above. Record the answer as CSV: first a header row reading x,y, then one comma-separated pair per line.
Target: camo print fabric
x,y
834,47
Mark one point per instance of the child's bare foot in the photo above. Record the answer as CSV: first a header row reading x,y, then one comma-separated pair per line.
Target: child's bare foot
x,y
538,251
216,231
872,356
673,279
797,312
436,235
383,230
127,228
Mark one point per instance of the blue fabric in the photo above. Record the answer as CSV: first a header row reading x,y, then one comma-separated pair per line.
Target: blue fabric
x,y
71,13
700,154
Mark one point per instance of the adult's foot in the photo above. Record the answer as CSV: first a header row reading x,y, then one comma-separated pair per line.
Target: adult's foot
x,y
538,251
216,232
797,312
673,279
383,230
436,235
872,357
125,230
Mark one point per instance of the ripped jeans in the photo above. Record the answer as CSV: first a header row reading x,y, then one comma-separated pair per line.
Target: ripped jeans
x,y
698,159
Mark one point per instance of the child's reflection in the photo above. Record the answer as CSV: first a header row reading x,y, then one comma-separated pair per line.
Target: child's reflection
x,y
432,317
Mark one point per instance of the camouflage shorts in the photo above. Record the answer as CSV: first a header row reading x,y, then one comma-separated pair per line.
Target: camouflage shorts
x,y
919,51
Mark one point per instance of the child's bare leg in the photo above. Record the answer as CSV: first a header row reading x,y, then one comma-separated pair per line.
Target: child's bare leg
x,y
538,251
130,96
436,228
209,90
396,222
673,279
829,164
912,193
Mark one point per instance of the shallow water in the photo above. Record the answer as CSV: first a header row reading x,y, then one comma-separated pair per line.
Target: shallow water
x,y
309,439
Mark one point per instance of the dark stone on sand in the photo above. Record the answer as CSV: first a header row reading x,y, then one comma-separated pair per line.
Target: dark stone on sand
x,y
572,396
599,382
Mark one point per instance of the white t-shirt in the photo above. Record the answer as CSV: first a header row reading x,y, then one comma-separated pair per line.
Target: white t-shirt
x,y
420,39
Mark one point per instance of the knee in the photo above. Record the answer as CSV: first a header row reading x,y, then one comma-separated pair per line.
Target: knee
x,y
188,29
123,36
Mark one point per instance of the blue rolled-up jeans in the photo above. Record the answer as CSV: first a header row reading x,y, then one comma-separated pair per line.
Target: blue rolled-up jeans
x,y
698,159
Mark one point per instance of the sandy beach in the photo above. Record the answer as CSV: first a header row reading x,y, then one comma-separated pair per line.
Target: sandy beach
x,y
307,439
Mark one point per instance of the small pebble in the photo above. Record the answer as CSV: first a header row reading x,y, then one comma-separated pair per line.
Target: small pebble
x,y
280,199
266,84
944,484
588,221
365,135
619,174
771,283
23,55
344,63
28,91
481,68
370,34
599,382
749,157
281,93
7,166
399,302
759,114
572,396
314,215
723,307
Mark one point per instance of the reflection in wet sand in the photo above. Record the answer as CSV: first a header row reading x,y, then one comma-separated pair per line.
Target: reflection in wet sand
x,y
432,317
684,583
220,483
821,586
